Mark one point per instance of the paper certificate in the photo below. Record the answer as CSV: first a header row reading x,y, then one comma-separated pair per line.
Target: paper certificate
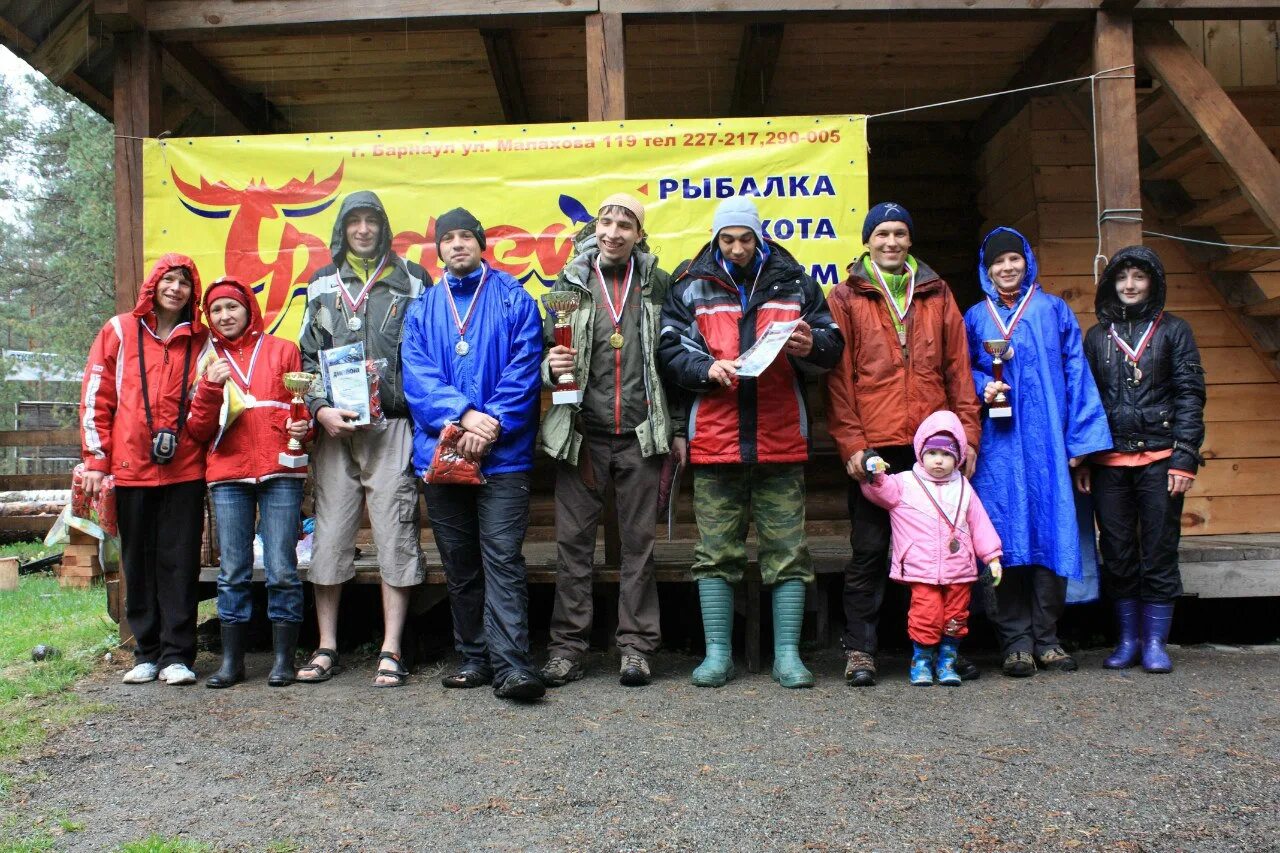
x,y
347,379
761,354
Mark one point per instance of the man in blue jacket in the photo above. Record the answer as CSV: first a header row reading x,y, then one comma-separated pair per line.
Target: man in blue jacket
x,y
471,356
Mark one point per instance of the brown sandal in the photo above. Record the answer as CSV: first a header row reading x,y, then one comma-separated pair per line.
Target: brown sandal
x,y
322,672
399,673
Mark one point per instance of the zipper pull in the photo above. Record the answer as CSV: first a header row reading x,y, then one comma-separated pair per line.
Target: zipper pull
x,y
166,355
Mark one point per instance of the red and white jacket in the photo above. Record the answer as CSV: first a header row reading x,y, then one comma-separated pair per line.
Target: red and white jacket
x,y
249,450
755,420
115,438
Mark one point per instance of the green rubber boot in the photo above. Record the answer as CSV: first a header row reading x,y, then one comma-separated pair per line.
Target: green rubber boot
x,y
716,668
788,617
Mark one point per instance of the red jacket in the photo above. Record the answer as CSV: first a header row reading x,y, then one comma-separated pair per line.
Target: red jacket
x,y
115,438
249,450
761,420
876,397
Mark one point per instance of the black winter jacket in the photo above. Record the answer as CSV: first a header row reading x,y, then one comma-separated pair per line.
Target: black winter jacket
x,y
1165,407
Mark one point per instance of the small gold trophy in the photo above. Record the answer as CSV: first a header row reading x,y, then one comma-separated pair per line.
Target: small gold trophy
x,y
999,407
562,304
296,383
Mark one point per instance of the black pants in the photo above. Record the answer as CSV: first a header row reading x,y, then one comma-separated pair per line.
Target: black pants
x,y
160,530
480,532
1140,525
1025,609
867,571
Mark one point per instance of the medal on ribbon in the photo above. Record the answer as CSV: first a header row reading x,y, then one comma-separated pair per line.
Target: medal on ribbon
x,y
461,323
353,306
1134,354
1006,329
954,545
244,377
899,314
615,314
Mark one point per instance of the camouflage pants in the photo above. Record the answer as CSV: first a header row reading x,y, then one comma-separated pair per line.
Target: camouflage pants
x,y
726,497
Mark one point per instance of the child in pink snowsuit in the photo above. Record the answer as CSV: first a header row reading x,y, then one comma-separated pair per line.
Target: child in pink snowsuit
x,y
940,530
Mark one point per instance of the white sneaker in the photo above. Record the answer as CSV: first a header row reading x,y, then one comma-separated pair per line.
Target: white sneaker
x,y
176,674
140,674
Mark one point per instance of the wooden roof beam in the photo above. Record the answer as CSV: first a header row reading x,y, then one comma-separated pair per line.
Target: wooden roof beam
x,y
23,46
188,71
1116,120
606,68
68,44
1218,120
504,64
1186,158
757,60
121,16
218,18
949,10
1059,56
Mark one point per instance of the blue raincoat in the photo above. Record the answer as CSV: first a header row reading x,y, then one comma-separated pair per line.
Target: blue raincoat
x,y
1023,476
498,376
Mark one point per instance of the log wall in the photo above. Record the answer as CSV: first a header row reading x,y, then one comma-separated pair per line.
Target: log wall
x,y
1036,175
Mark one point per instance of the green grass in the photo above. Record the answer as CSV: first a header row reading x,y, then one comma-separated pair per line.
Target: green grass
x,y
26,551
32,696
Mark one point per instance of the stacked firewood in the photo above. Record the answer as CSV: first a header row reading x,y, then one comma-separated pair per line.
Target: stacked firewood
x,y
80,563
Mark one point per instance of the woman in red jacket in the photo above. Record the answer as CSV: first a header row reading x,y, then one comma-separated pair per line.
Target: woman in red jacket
x,y
133,410
247,478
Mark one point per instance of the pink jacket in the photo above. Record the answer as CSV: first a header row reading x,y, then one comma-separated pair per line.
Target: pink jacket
x,y
921,538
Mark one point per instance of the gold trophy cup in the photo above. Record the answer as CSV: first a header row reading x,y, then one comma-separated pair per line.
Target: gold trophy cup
x,y
562,304
296,383
999,407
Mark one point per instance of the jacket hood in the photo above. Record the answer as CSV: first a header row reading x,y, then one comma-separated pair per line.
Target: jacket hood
x,y
578,270
256,326
779,262
363,198
147,293
1107,305
925,276
1033,267
941,421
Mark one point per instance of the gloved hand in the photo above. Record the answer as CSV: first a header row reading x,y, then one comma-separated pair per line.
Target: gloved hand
x,y
873,463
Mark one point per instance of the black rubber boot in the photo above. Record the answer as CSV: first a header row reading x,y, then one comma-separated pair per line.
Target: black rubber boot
x,y
284,639
232,671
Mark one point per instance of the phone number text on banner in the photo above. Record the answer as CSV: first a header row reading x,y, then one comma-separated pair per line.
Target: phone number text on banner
x,y
261,208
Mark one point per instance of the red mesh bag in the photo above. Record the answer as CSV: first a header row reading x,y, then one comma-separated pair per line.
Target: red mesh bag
x,y
448,466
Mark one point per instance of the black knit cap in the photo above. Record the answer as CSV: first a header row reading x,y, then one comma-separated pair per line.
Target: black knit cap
x,y
1001,242
458,218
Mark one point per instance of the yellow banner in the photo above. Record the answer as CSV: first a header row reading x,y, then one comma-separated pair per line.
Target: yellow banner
x,y
262,208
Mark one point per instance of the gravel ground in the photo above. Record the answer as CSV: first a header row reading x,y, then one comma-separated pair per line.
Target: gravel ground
x,y
1085,761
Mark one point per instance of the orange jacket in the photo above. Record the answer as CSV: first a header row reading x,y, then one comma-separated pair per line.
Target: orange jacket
x,y
115,438
876,396
250,450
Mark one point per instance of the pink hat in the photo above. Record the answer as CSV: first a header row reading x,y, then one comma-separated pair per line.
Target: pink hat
x,y
943,441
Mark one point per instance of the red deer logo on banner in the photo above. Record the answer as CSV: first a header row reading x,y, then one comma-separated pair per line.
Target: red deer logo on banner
x,y
253,204
526,254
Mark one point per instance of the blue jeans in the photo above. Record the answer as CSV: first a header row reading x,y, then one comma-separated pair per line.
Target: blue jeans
x,y
277,506
479,531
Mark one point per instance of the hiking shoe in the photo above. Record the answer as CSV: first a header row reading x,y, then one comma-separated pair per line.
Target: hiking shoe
x,y
520,687
1057,660
1019,665
141,674
967,669
634,671
177,674
859,669
560,671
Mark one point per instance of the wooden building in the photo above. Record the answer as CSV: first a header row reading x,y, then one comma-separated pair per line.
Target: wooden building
x,y
1183,145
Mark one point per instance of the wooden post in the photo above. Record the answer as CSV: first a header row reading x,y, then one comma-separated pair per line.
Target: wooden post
x,y
606,67
136,108
607,100
1117,132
